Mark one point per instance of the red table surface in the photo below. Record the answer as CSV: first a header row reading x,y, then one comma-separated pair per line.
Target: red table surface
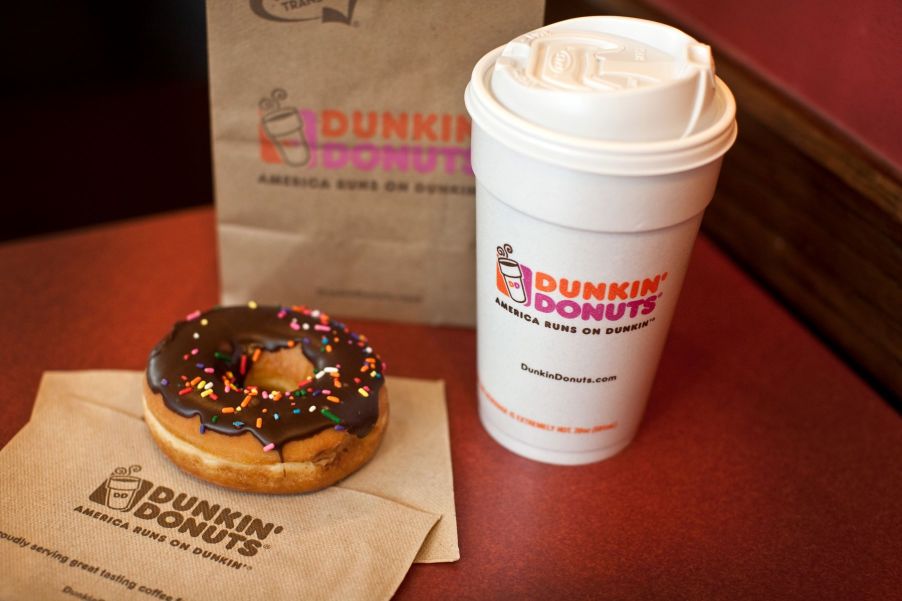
x,y
765,468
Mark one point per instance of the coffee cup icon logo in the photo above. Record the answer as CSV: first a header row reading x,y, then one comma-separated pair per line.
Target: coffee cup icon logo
x,y
511,274
122,488
284,128
299,11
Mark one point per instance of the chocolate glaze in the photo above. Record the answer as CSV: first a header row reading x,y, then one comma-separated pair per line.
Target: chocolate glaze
x,y
226,334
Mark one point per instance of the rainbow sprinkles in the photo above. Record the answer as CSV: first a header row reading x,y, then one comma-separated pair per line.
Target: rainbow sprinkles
x,y
201,369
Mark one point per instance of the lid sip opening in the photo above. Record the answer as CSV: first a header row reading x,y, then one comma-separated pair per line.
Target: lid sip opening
x,y
607,78
611,95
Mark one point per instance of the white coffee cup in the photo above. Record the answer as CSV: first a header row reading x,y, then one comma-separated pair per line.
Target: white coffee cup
x,y
596,144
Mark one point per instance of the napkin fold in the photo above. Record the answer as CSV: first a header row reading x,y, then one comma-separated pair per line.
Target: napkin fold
x,y
89,506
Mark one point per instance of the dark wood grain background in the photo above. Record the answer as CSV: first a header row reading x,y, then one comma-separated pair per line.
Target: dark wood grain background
x,y
807,211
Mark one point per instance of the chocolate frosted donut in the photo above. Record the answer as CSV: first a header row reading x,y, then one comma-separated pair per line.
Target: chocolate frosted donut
x,y
266,399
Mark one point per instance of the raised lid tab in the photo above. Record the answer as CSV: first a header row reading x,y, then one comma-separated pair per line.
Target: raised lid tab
x,y
608,78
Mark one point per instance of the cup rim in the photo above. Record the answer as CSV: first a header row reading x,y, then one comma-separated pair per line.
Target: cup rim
x,y
599,156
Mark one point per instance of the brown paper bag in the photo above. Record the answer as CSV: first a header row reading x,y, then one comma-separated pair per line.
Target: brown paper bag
x,y
341,151
90,507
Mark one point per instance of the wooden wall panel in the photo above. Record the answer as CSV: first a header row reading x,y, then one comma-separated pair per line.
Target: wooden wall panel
x,y
807,211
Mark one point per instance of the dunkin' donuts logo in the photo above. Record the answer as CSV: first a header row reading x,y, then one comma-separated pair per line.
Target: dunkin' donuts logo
x,y
574,298
363,140
294,11
282,130
122,490
163,513
512,279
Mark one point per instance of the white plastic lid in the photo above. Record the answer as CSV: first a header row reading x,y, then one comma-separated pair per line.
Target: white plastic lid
x,y
610,94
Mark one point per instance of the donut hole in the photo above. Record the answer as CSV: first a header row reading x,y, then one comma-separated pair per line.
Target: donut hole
x,y
280,370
